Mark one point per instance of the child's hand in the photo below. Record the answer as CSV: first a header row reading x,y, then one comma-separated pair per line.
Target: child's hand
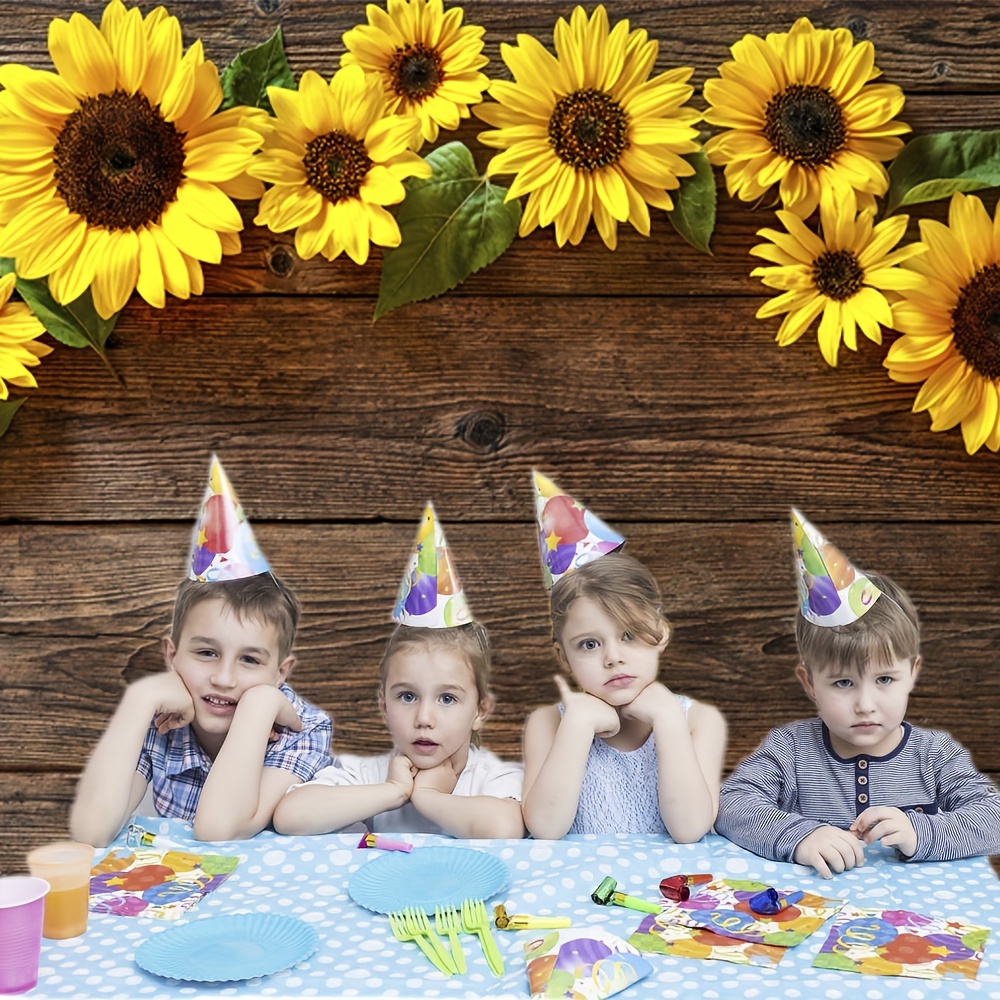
x,y
441,778
652,702
601,716
173,704
890,826
401,773
829,849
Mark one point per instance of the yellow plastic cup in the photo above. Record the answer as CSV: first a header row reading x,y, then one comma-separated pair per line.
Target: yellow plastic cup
x,y
66,866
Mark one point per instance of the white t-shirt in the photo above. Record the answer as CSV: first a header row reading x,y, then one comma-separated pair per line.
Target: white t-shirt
x,y
484,774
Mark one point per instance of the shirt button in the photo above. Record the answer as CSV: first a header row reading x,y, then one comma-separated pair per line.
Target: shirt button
x,y
862,780
862,798
919,809
862,764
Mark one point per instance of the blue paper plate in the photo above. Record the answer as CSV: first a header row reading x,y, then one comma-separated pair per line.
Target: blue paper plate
x,y
228,948
427,877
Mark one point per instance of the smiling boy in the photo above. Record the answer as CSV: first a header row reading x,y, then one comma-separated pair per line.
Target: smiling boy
x,y
228,736
817,791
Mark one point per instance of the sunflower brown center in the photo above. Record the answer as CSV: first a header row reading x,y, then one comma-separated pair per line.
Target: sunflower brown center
x,y
588,129
804,123
118,161
416,71
336,165
838,275
976,322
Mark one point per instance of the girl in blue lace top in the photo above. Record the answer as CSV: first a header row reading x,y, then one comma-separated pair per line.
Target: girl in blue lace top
x,y
623,754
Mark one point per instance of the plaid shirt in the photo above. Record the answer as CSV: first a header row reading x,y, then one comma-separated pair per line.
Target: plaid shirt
x,y
178,766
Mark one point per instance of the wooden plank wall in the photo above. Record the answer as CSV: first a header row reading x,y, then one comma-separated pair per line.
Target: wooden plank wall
x,y
639,380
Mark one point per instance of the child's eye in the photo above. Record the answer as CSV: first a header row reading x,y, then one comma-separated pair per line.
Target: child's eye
x,y
843,683
627,636
448,699
251,661
407,697
884,681
588,644
204,652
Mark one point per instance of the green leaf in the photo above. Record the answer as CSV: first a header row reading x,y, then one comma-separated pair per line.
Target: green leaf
x,y
694,204
246,79
936,166
76,324
453,224
8,407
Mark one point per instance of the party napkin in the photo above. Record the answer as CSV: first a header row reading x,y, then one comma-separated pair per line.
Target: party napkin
x,y
902,943
136,882
585,964
723,906
655,935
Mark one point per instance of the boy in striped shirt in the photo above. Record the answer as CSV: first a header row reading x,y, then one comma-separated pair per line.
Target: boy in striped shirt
x,y
817,791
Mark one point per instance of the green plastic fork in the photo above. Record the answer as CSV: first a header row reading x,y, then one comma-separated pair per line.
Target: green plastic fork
x,y
400,931
417,923
477,921
448,923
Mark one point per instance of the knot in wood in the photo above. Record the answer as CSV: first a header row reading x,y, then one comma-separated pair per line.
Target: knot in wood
x,y
280,262
858,27
482,429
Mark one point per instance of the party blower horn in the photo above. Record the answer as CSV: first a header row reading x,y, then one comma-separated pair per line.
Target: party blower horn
x,y
607,894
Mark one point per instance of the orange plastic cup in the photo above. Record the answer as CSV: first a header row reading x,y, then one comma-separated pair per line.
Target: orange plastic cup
x,y
65,865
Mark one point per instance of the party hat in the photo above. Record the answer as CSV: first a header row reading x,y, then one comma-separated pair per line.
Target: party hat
x,y
223,547
431,593
569,535
831,590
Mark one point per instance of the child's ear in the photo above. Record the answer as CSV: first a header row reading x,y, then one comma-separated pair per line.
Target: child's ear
x,y
169,652
915,669
805,679
381,704
561,655
486,706
286,668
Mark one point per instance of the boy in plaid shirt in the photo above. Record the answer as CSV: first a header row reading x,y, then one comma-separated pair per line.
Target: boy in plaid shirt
x,y
228,736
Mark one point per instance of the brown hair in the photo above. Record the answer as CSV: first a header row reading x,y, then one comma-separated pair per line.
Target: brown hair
x,y
888,631
264,598
622,587
470,640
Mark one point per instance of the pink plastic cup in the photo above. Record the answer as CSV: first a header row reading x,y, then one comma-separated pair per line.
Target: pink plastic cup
x,y
22,905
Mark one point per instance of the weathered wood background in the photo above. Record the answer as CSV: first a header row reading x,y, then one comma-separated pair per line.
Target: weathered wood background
x,y
639,380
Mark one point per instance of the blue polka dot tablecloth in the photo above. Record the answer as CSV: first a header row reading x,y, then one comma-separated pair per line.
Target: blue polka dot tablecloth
x,y
358,957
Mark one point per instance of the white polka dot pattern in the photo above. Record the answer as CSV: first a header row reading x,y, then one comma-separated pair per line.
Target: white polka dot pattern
x,y
359,958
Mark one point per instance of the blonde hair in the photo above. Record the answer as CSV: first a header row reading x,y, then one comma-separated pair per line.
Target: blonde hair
x,y
264,598
471,641
888,631
622,588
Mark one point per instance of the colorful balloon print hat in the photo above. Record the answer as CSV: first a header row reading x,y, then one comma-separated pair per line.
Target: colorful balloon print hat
x,y
569,535
431,594
223,547
831,590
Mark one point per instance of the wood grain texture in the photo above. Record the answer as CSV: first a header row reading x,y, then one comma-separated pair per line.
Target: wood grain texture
x,y
640,380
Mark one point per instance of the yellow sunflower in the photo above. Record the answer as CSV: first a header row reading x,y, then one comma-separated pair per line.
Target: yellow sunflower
x,y
950,321
799,109
586,131
114,172
335,159
841,275
427,61
19,348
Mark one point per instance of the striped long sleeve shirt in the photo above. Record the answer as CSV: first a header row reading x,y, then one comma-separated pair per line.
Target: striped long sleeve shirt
x,y
794,782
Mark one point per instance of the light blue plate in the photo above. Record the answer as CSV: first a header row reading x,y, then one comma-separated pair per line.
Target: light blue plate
x,y
228,948
427,877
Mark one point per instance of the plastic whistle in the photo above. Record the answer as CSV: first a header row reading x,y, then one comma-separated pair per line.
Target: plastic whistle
x,y
634,903
770,901
139,837
384,843
678,887
525,922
